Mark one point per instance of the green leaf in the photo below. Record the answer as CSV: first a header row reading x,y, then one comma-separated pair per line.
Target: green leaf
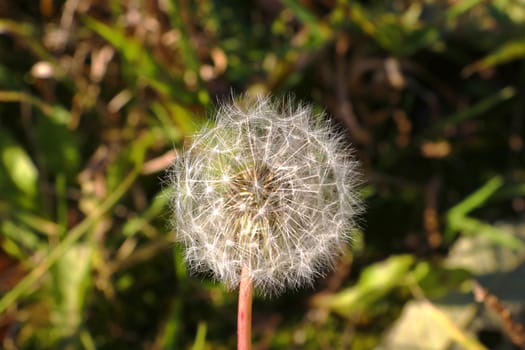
x,y
400,34
509,51
458,221
71,280
375,282
175,120
200,337
474,110
69,240
20,238
476,199
57,113
472,226
459,8
437,281
131,157
18,166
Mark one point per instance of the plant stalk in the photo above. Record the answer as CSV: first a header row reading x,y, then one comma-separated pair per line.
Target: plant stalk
x,y
244,315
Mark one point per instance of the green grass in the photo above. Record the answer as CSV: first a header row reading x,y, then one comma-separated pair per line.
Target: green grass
x,y
94,100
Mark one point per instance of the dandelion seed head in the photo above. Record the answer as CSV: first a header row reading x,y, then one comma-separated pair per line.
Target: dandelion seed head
x,y
270,187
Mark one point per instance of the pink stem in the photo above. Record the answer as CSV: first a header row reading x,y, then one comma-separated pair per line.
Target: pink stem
x,y
244,316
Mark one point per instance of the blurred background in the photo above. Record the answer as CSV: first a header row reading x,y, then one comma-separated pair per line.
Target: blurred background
x,y
95,96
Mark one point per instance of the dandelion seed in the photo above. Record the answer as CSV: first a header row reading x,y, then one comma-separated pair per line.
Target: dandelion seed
x,y
269,189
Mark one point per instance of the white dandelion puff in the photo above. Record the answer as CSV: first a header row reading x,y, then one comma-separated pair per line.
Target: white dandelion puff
x,y
270,188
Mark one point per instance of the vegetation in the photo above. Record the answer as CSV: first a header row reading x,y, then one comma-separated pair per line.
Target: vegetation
x,y
95,96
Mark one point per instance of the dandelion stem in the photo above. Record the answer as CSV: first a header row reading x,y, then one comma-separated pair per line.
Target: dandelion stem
x,y
244,316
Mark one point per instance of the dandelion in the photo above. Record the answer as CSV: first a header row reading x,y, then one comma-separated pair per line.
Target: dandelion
x,y
266,196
